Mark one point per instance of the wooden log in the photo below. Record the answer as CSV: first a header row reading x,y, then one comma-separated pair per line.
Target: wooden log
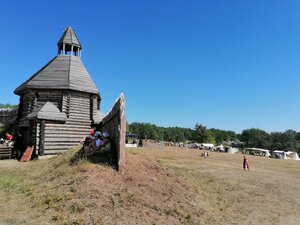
x,y
65,130
78,122
80,115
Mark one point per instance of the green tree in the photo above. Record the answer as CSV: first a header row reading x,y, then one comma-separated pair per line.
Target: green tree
x,y
223,135
210,138
256,138
8,106
284,141
202,135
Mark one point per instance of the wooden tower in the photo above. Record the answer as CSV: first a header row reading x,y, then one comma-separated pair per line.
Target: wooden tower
x,y
59,103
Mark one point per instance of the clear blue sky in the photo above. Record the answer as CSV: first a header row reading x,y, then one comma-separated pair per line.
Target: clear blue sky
x,y
227,64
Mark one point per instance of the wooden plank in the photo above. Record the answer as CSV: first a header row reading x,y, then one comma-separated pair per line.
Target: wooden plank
x,y
78,122
57,126
66,130
5,152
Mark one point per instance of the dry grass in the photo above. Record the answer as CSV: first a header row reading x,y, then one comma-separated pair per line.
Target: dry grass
x,y
268,194
161,186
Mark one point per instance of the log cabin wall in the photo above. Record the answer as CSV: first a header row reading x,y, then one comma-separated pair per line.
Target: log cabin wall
x,y
95,104
34,99
66,103
52,137
26,105
43,96
37,136
7,114
59,137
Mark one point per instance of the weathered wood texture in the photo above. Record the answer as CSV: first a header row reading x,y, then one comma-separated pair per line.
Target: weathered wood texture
x,y
69,37
6,115
95,109
64,72
34,99
58,103
26,105
58,137
54,97
5,152
115,124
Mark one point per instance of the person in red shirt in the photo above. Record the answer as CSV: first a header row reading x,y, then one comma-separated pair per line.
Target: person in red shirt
x,y
9,137
246,163
8,140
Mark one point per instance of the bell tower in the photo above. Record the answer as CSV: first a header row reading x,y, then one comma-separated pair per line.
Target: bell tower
x,y
69,44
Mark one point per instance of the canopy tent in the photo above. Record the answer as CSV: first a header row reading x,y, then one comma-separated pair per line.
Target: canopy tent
x,y
281,153
259,151
220,148
208,145
292,155
233,150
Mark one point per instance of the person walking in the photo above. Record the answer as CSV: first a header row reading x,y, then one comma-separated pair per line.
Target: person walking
x,y
246,163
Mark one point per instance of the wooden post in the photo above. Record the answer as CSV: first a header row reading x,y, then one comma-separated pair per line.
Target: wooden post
x,y
122,133
64,47
72,53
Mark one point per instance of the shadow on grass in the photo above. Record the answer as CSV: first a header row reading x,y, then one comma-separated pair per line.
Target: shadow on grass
x,y
107,158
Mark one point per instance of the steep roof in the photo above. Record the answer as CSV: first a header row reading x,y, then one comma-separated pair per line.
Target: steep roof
x,y
69,37
48,112
65,72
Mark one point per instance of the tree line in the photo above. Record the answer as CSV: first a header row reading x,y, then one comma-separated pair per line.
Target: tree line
x,y
287,140
257,138
8,106
178,134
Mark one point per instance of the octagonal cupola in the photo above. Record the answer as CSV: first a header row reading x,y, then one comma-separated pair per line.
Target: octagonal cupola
x,y
69,44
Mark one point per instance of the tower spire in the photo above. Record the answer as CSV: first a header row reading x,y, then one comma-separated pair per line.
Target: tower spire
x,y
69,44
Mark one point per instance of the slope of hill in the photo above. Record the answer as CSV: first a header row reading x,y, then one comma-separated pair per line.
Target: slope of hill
x,y
160,186
55,192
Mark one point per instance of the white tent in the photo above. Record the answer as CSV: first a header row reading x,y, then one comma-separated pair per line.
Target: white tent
x,y
292,155
233,150
259,151
281,153
208,145
220,148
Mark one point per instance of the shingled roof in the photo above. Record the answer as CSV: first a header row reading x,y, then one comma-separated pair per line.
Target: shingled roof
x,y
69,37
49,112
63,72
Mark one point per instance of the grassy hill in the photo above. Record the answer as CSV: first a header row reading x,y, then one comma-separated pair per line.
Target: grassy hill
x,y
160,186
